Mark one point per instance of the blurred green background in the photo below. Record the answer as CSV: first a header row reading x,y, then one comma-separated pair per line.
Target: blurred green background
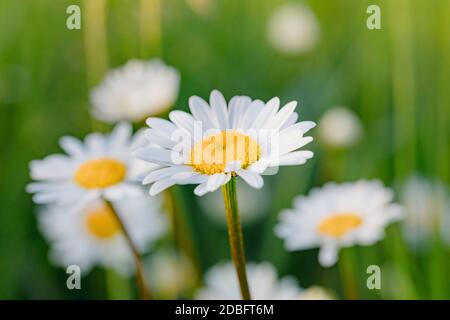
x,y
395,79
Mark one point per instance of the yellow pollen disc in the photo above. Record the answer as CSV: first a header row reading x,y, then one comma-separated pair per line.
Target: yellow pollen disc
x,y
339,224
102,223
100,173
212,154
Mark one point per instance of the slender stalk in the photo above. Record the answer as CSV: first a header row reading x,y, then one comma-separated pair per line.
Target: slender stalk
x,y
144,293
235,235
181,231
150,28
347,274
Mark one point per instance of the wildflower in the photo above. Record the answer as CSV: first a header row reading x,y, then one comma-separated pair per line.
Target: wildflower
x,y
171,274
231,145
136,91
221,284
338,215
427,208
293,29
339,127
101,166
243,138
90,235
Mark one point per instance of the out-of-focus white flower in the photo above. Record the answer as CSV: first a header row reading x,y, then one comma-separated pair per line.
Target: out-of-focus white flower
x,y
171,274
135,91
243,137
221,283
252,204
427,208
90,234
339,127
338,215
101,166
316,293
293,28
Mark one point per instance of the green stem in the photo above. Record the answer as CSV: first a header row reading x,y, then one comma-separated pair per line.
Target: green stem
x,y
181,231
347,273
118,288
235,235
144,293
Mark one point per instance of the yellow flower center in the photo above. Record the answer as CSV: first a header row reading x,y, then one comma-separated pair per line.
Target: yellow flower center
x,y
100,173
339,224
212,154
102,223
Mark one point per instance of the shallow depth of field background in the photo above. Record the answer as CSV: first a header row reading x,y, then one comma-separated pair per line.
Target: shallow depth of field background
x,y
395,79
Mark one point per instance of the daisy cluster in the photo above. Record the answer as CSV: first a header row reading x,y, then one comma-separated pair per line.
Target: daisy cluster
x,y
93,194
81,188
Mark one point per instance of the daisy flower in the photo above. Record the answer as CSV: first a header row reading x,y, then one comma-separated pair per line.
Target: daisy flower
x,y
221,283
293,29
102,165
171,274
338,215
217,141
339,127
90,234
135,91
427,209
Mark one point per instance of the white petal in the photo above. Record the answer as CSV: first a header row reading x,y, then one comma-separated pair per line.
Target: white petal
x,y
72,146
161,185
161,125
237,108
201,111
219,108
215,181
283,115
290,121
196,178
294,158
95,142
253,179
201,189
292,143
120,134
328,255
183,120
253,109
156,137
163,173
305,126
266,113
154,155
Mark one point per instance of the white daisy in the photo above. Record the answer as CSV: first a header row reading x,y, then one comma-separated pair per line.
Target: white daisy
x,y
221,283
293,29
339,127
244,138
338,215
90,234
100,166
171,274
427,208
135,91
